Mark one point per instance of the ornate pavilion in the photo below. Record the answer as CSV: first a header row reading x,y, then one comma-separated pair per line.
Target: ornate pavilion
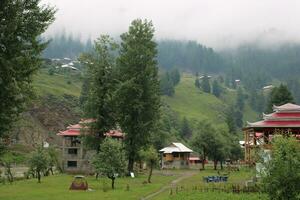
x,y
285,120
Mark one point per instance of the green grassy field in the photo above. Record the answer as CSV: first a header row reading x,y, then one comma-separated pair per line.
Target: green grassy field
x,y
192,103
186,187
56,84
57,187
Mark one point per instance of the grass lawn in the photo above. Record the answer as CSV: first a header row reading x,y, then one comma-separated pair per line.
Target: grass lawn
x,y
57,188
188,184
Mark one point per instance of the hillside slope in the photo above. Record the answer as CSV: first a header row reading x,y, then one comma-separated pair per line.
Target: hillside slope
x,y
53,108
192,103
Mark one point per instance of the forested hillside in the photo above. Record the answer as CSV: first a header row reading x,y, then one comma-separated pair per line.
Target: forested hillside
x,y
240,75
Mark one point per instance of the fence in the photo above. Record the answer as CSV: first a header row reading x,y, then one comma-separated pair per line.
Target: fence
x,y
228,188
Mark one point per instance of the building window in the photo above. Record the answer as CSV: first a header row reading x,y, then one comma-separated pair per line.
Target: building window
x,y
72,151
72,163
175,154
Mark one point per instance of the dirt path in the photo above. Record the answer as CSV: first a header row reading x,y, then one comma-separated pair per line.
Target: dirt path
x,y
171,185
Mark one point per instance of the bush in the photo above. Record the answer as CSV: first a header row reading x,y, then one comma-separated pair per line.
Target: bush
x,y
282,172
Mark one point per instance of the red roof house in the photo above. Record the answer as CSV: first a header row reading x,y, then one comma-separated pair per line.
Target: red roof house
x,y
285,120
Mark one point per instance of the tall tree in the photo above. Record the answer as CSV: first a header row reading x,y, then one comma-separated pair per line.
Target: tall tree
x,y
22,22
101,86
279,96
138,95
205,85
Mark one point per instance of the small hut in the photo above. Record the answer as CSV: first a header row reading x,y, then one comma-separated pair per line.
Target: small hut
x,y
175,155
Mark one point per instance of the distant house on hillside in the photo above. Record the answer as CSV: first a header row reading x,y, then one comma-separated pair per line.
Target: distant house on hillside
x,y
175,155
76,158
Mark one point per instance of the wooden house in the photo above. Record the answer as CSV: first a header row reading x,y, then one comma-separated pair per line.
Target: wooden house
x,y
175,155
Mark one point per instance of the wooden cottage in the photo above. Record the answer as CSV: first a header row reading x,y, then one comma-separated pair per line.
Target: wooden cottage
x,y
285,120
175,155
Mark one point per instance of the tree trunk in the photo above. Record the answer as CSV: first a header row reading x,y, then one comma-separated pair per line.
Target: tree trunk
x,y
130,164
150,174
221,164
113,183
203,164
215,164
39,176
203,160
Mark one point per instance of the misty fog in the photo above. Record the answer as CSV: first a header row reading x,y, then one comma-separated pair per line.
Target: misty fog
x,y
210,22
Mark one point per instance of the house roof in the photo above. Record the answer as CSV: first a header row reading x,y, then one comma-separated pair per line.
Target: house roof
x,y
114,133
176,147
69,132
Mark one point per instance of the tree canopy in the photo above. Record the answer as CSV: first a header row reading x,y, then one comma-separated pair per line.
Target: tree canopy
x,y
279,96
22,22
282,177
110,160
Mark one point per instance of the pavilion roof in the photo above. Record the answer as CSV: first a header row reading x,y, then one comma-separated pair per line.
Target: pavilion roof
x,y
287,115
275,124
289,107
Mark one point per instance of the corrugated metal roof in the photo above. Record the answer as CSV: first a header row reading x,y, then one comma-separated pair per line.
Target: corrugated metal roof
x,y
176,147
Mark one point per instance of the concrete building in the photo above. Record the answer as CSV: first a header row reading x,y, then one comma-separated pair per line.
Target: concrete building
x,y
75,157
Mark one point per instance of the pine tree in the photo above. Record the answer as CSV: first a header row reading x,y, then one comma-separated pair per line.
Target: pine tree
x,y
186,131
175,76
238,116
205,85
230,121
138,96
279,96
22,22
166,85
240,100
216,88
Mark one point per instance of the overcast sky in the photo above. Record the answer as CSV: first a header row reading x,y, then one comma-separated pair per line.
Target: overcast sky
x,y
215,23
